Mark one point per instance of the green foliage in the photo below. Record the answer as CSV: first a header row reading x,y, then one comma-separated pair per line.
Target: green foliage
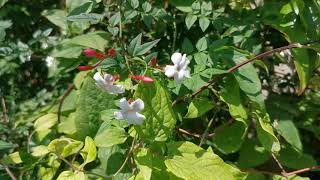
x,y
227,120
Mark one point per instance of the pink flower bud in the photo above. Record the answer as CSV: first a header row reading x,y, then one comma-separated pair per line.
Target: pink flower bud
x,y
92,53
85,68
112,52
153,61
145,79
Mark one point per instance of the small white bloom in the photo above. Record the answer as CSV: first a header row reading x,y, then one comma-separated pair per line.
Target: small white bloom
x,y
179,69
107,83
49,61
131,111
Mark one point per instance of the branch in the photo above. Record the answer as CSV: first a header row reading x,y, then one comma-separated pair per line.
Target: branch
x,y
302,170
9,171
232,69
5,111
283,172
65,94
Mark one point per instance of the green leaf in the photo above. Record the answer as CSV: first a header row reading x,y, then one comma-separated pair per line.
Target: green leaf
x,y
109,135
46,122
188,161
69,175
92,100
93,18
293,177
57,17
115,19
89,151
202,44
190,20
187,46
134,44
290,133
134,3
5,145
252,154
135,48
305,61
299,161
144,48
246,76
68,126
229,139
3,2
96,40
39,151
160,118
65,146
146,6
199,107
182,5
204,23
66,51
111,159
265,133
151,166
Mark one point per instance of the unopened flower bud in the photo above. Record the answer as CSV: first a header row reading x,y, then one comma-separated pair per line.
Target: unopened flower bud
x,y
85,68
145,79
112,52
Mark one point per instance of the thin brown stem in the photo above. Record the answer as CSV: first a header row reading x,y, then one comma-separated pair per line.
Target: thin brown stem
x,y
302,170
261,172
204,135
5,111
232,69
9,172
283,172
65,94
127,158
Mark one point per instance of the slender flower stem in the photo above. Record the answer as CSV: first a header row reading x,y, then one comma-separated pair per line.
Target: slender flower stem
x,y
302,170
204,135
12,176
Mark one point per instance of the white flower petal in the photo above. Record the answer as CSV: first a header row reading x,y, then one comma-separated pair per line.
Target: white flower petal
x,y
137,105
170,71
183,61
176,58
187,73
108,78
178,77
116,89
119,115
98,78
124,105
135,118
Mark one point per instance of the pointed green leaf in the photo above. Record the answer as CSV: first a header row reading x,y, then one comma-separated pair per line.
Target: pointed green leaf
x,y
204,23
96,40
92,100
189,161
134,44
290,133
190,20
199,107
57,17
89,151
142,49
46,122
202,44
160,118
109,135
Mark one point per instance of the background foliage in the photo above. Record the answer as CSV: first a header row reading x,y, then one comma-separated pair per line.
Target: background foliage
x,y
246,123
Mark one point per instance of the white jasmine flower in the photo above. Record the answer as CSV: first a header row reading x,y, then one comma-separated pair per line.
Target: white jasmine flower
x,y
179,69
107,83
49,61
130,111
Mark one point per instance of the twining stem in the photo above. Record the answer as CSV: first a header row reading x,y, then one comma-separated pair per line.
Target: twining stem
x,y
5,111
12,176
283,172
232,69
302,170
65,94
204,135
